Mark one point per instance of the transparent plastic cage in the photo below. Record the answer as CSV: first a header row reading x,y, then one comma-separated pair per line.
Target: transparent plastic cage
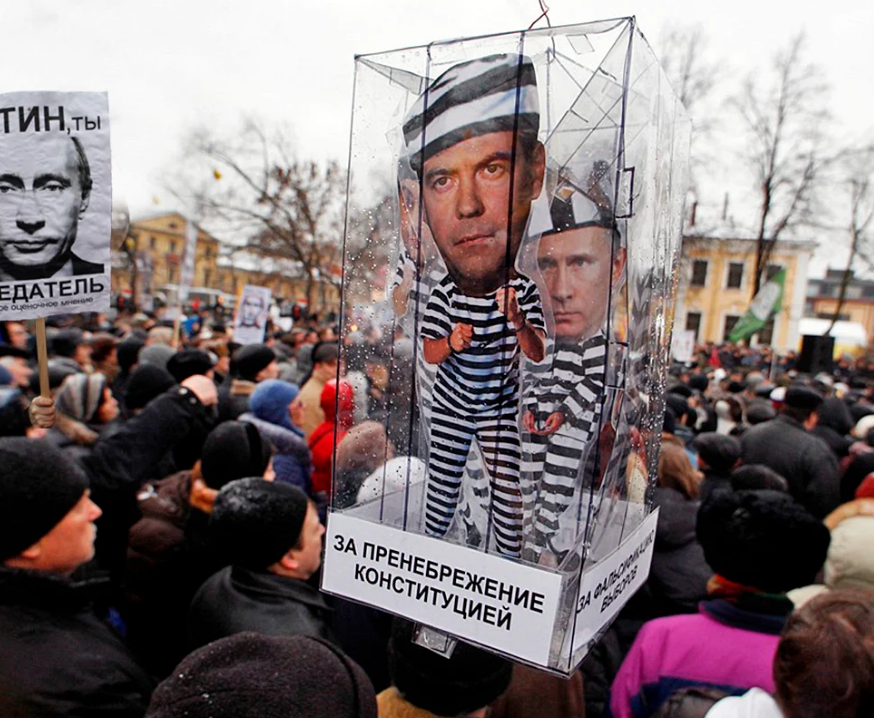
x,y
527,187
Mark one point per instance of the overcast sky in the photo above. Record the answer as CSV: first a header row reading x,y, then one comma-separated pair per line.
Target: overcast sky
x,y
171,64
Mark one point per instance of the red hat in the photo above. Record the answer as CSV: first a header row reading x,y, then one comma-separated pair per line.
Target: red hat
x,y
339,411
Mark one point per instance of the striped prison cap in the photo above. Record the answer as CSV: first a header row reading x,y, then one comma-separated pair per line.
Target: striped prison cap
x,y
497,93
572,207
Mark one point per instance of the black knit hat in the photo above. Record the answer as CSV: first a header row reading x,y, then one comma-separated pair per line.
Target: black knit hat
x,y
248,675
699,382
128,352
189,362
39,484
801,397
256,522
761,539
719,451
146,383
468,680
234,450
64,343
250,359
758,412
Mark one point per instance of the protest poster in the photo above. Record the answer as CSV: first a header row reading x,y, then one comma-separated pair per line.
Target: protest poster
x,y
55,204
186,274
250,320
683,345
526,336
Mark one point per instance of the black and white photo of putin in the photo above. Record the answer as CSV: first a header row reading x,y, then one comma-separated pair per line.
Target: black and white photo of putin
x,y
45,188
251,312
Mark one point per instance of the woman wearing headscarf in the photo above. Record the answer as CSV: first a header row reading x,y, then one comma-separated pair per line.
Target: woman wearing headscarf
x,y
85,407
276,408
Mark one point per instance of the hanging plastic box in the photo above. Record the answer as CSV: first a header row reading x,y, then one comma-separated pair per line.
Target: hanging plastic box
x,y
511,250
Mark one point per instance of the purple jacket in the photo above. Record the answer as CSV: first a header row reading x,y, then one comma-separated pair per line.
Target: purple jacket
x,y
722,646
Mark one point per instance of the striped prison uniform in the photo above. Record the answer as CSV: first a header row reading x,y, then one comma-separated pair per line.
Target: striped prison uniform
x,y
424,282
474,500
476,395
571,382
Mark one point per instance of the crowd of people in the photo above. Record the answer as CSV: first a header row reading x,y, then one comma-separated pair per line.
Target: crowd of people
x,y
162,519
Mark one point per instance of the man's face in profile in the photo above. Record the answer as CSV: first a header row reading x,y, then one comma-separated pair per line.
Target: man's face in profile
x,y
578,271
252,308
40,200
466,193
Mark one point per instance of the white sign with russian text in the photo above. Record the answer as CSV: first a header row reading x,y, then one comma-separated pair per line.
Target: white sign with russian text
x,y
609,584
472,595
55,204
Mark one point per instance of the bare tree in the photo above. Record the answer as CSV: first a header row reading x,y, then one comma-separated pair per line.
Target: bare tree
x,y
858,167
252,188
694,78
785,119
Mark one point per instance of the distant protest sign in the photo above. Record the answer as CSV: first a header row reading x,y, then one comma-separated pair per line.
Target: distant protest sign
x,y
253,309
55,203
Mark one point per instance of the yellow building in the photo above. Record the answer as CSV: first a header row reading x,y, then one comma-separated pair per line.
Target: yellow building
x,y
716,287
157,245
858,304
150,262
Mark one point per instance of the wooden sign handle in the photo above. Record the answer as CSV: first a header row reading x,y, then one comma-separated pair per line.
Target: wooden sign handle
x,y
42,356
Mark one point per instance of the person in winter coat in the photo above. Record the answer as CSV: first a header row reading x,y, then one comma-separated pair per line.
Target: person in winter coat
x,y
85,406
272,534
252,676
824,665
326,366
679,573
249,365
276,409
850,560
833,426
338,407
718,456
805,461
760,545
57,657
427,685
169,552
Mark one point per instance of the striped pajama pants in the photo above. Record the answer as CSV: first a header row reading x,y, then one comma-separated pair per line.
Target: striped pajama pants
x,y
557,461
497,434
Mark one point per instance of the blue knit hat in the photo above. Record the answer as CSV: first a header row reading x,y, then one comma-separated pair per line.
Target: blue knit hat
x,y
269,402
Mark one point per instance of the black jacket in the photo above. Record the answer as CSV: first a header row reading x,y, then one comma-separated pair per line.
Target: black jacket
x,y
679,574
713,480
803,460
238,599
57,658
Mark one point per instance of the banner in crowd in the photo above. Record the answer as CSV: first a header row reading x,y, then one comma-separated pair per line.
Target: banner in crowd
x,y
55,204
186,275
683,345
250,320
525,337
767,302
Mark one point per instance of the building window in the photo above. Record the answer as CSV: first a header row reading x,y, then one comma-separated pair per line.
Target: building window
x,y
735,278
693,323
207,276
868,292
152,242
730,321
766,335
699,273
171,273
172,246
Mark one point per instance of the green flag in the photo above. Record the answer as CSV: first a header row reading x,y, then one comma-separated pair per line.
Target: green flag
x,y
765,305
